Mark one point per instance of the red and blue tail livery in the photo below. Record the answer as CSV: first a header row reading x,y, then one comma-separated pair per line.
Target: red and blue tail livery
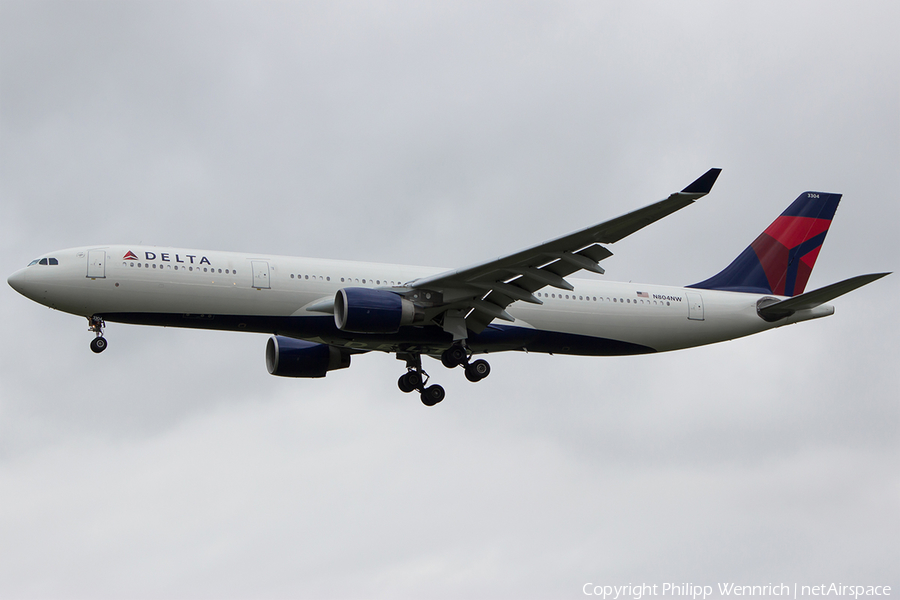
x,y
781,259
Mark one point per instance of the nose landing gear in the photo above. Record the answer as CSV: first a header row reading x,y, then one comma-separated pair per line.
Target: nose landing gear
x,y
96,324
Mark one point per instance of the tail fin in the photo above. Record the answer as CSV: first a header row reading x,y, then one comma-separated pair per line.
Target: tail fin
x,y
781,259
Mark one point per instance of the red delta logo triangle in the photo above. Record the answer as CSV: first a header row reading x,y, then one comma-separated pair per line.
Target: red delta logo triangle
x,y
130,256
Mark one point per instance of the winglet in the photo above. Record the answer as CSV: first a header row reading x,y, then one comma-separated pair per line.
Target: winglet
x,y
703,184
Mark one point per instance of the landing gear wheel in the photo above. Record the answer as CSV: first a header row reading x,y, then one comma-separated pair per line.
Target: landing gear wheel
x,y
409,381
95,326
98,344
432,395
478,370
403,384
454,356
414,379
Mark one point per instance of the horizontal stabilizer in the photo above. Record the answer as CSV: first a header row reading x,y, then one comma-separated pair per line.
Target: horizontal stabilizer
x,y
785,308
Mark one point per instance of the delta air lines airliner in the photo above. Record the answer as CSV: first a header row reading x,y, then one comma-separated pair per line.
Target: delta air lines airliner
x,y
322,312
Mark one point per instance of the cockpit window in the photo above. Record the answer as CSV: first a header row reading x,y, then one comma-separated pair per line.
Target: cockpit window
x,y
44,261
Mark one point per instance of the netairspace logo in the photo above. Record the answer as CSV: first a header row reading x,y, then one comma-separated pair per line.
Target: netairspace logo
x,y
693,591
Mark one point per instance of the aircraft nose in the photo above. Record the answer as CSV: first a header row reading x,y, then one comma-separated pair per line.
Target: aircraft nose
x,y
17,281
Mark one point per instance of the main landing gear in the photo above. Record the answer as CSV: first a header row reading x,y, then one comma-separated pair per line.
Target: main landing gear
x,y
416,378
96,324
457,355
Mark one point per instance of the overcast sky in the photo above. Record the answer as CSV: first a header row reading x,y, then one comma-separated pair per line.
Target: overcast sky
x,y
174,466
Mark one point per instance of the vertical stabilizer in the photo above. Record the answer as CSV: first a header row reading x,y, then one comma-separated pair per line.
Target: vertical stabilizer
x,y
781,259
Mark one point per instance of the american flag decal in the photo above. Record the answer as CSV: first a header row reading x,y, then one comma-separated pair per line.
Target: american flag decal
x,y
643,295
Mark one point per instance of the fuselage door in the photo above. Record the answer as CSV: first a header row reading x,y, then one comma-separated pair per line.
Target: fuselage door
x,y
260,274
96,264
695,306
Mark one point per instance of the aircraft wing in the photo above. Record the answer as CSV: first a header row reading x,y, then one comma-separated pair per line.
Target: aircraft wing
x,y
481,292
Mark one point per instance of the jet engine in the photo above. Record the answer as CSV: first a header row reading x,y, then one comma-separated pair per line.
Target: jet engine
x,y
363,310
287,357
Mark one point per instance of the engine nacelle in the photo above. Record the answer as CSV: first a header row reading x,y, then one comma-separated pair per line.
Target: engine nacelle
x,y
363,310
287,357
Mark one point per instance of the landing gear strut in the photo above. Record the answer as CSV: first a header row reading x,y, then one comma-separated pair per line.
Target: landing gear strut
x,y
415,378
96,324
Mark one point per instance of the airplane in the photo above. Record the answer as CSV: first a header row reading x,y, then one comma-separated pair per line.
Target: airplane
x,y
322,312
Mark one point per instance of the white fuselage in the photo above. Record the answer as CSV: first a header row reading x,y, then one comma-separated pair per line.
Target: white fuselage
x,y
266,293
